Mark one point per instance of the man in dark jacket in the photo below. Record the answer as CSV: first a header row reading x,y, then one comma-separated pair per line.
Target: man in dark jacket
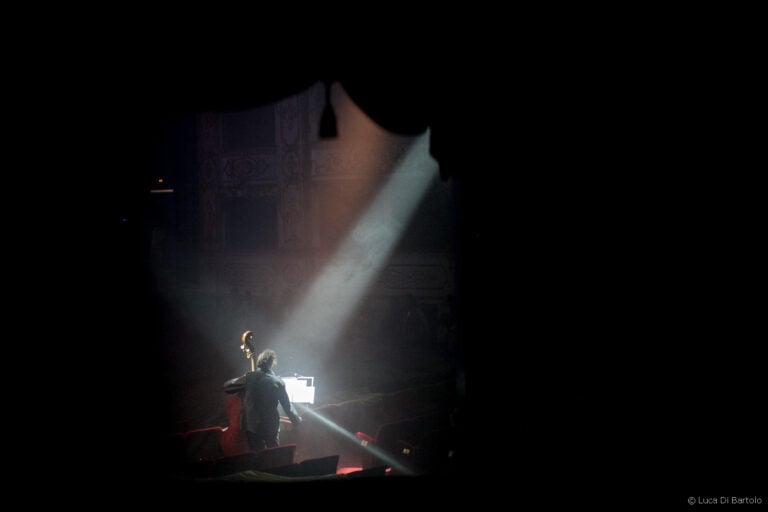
x,y
262,391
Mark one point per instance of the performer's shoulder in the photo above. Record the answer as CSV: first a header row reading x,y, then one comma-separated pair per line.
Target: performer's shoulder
x,y
234,385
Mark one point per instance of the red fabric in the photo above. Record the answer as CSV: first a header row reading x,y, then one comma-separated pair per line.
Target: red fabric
x,y
233,439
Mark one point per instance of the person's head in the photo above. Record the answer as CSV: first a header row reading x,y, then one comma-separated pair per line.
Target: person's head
x,y
267,359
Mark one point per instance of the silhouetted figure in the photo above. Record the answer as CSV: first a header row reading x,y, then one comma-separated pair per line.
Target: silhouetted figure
x,y
263,390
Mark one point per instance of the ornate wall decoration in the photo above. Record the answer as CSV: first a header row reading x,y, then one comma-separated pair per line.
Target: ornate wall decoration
x,y
326,163
291,217
292,227
209,150
288,117
243,172
331,161
209,132
210,172
291,168
297,173
357,161
331,202
294,274
268,190
209,218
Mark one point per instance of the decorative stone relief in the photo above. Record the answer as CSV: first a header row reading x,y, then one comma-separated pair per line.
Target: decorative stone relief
x,y
291,170
242,172
288,117
294,274
209,131
209,218
209,173
326,163
291,216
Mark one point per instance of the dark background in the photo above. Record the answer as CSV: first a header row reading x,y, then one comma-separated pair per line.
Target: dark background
x,y
600,200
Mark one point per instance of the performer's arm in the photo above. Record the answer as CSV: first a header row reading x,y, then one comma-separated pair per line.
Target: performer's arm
x,y
235,385
287,406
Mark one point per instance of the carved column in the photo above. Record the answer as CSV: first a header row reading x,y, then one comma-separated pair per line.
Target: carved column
x,y
291,131
209,158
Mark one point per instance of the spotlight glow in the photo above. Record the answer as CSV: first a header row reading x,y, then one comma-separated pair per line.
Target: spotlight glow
x,y
394,464
326,307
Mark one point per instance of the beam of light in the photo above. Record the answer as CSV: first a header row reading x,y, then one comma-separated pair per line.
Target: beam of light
x,y
366,152
323,312
380,454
